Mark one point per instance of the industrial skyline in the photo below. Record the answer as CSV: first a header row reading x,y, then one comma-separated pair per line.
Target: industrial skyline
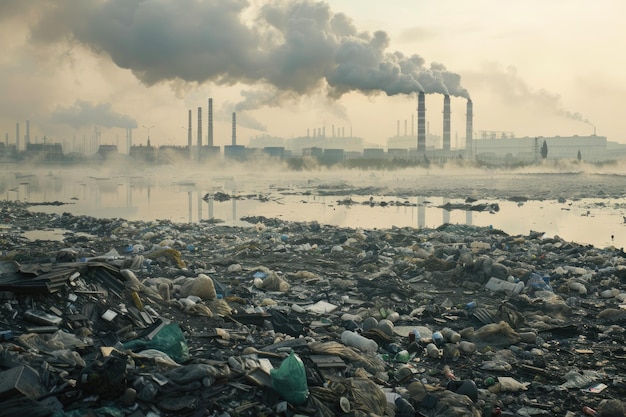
x,y
287,66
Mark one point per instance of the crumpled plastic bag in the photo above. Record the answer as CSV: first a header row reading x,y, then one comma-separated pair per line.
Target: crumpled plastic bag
x,y
289,380
170,340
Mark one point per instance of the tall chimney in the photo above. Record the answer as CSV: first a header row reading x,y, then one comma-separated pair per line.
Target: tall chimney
x,y
189,139
210,122
199,139
405,131
469,128
446,122
17,136
398,128
421,122
234,129
27,131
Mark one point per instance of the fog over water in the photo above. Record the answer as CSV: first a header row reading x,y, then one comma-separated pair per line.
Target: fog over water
x,y
576,202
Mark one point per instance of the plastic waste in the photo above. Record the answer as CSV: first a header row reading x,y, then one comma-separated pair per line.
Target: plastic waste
x,y
500,285
169,339
538,283
350,338
289,380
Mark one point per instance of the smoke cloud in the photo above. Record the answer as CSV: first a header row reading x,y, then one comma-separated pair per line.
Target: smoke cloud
x,y
507,83
83,114
288,47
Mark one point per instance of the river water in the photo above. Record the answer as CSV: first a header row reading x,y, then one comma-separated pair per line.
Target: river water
x,y
186,197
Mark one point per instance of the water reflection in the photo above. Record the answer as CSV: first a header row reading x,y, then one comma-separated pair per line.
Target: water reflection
x,y
591,221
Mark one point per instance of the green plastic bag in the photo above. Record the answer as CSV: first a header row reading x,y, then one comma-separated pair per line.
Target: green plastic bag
x,y
170,340
289,380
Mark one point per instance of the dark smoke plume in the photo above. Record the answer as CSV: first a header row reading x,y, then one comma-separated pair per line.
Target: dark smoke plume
x,y
290,47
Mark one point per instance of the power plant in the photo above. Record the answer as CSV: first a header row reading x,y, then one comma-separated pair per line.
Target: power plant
x,y
494,147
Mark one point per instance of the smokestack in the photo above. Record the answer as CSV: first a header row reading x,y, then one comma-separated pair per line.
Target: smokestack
x,y
210,122
199,139
27,131
469,128
189,139
421,122
307,133
446,122
17,137
234,128
334,131
405,131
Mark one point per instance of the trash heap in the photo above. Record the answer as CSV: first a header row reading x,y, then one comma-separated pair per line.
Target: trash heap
x,y
284,319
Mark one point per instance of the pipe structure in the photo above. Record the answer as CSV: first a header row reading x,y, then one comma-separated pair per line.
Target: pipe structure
x,y
446,122
189,137
199,139
421,122
210,122
234,139
469,128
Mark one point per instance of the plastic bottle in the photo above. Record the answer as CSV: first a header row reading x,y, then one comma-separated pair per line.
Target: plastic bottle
x,y
539,283
499,285
414,336
438,338
450,335
404,408
433,351
362,343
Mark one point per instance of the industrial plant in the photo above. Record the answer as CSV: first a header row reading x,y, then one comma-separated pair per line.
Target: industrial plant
x,y
487,147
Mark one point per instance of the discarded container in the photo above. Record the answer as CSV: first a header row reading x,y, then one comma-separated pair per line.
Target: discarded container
x,y
20,381
467,347
538,283
450,335
437,338
350,338
403,407
41,317
414,336
433,351
499,285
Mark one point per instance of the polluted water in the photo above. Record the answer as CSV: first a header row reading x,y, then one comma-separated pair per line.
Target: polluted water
x,y
171,293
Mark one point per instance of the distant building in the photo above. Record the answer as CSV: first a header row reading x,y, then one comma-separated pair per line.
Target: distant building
x,y
107,151
527,149
44,152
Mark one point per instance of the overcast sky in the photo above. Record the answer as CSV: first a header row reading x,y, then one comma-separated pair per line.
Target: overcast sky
x,y
534,68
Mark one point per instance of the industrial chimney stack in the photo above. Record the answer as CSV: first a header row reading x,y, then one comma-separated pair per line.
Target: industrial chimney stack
x,y
210,122
446,122
469,128
234,129
421,122
189,136
199,132
17,137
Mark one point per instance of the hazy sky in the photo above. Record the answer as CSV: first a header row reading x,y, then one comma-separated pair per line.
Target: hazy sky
x,y
534,68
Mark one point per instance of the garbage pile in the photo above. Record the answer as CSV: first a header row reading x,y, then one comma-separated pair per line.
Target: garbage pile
x,y
301,319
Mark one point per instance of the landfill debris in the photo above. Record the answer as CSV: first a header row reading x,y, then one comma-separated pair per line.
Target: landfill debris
x,y
283,319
